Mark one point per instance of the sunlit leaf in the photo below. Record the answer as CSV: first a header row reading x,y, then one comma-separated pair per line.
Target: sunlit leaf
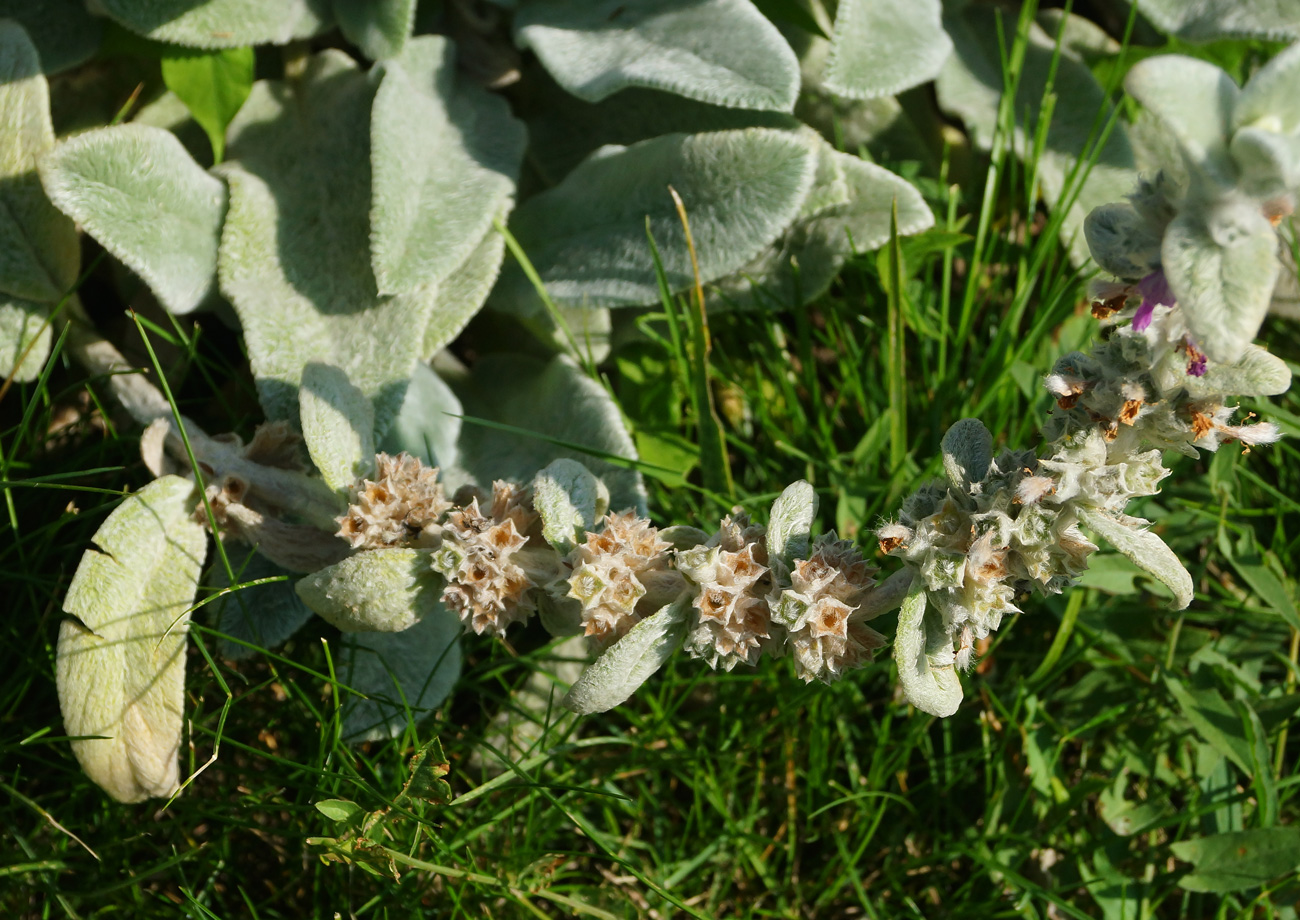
x,y
882,47
221,23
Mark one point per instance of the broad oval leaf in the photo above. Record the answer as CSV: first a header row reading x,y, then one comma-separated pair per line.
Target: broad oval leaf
x,y
121,663
1256,373
789,527
1224,289
338,424
538,412
221,23
39,253
141,195
720,51
967,452
628,663
587,236
295,249
379,28
213,85
1205,20
1239,860
446,155
462,294
1145,550
566,495
428,426
1194,99
63,31
923,652
24,338
882,47
1270,96
404,675
804,262
379,590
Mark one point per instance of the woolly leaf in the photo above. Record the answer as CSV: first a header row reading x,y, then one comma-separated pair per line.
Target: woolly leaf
x,y
264,615
1194,99
24,337
789,528
221,23
1121,242
139,193
63,31
628,663
923,652
379,28
1223,285
1239,860
804,262
1205,20
446,155
971,84
213,85
39,255
294,256
566,494
720,51
121,663
1270,97
540,401
338,425
967,452
428,426
1145,550
1255,373
379,590
401,673
882,47
587,236
462,293
1269,162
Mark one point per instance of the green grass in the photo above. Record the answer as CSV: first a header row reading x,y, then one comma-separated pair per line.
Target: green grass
x,y
1099,729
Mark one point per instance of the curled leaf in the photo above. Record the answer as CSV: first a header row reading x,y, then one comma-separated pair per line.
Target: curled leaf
x,y
789,529
615,675
923,652
566,495
1145,550
967,453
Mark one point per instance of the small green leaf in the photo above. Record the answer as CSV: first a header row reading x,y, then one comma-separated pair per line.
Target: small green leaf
x,y
379,28
214,86
428,766
221,23
719,51
882,47
380,590
789,528
1241,860
566,495
139,193
121,662
338,424
587,237
340,810
628,663
1223,280
1145,550
1213,719
445,154
404,675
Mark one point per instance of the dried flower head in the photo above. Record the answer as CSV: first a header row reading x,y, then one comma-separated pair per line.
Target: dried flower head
x,y
395,507
620,574
826,630
732,622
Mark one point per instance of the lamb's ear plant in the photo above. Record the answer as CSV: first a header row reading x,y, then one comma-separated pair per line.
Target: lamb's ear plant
x,y
353,227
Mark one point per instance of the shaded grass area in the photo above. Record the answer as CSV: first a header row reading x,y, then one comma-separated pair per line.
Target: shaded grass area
x,y
1098,729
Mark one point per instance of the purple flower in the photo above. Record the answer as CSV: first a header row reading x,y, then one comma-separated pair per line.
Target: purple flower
x,y
1155,292
1196,367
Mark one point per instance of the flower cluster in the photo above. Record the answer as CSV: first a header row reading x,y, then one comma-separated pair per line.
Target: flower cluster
x,y
397,507
620,574
732,623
